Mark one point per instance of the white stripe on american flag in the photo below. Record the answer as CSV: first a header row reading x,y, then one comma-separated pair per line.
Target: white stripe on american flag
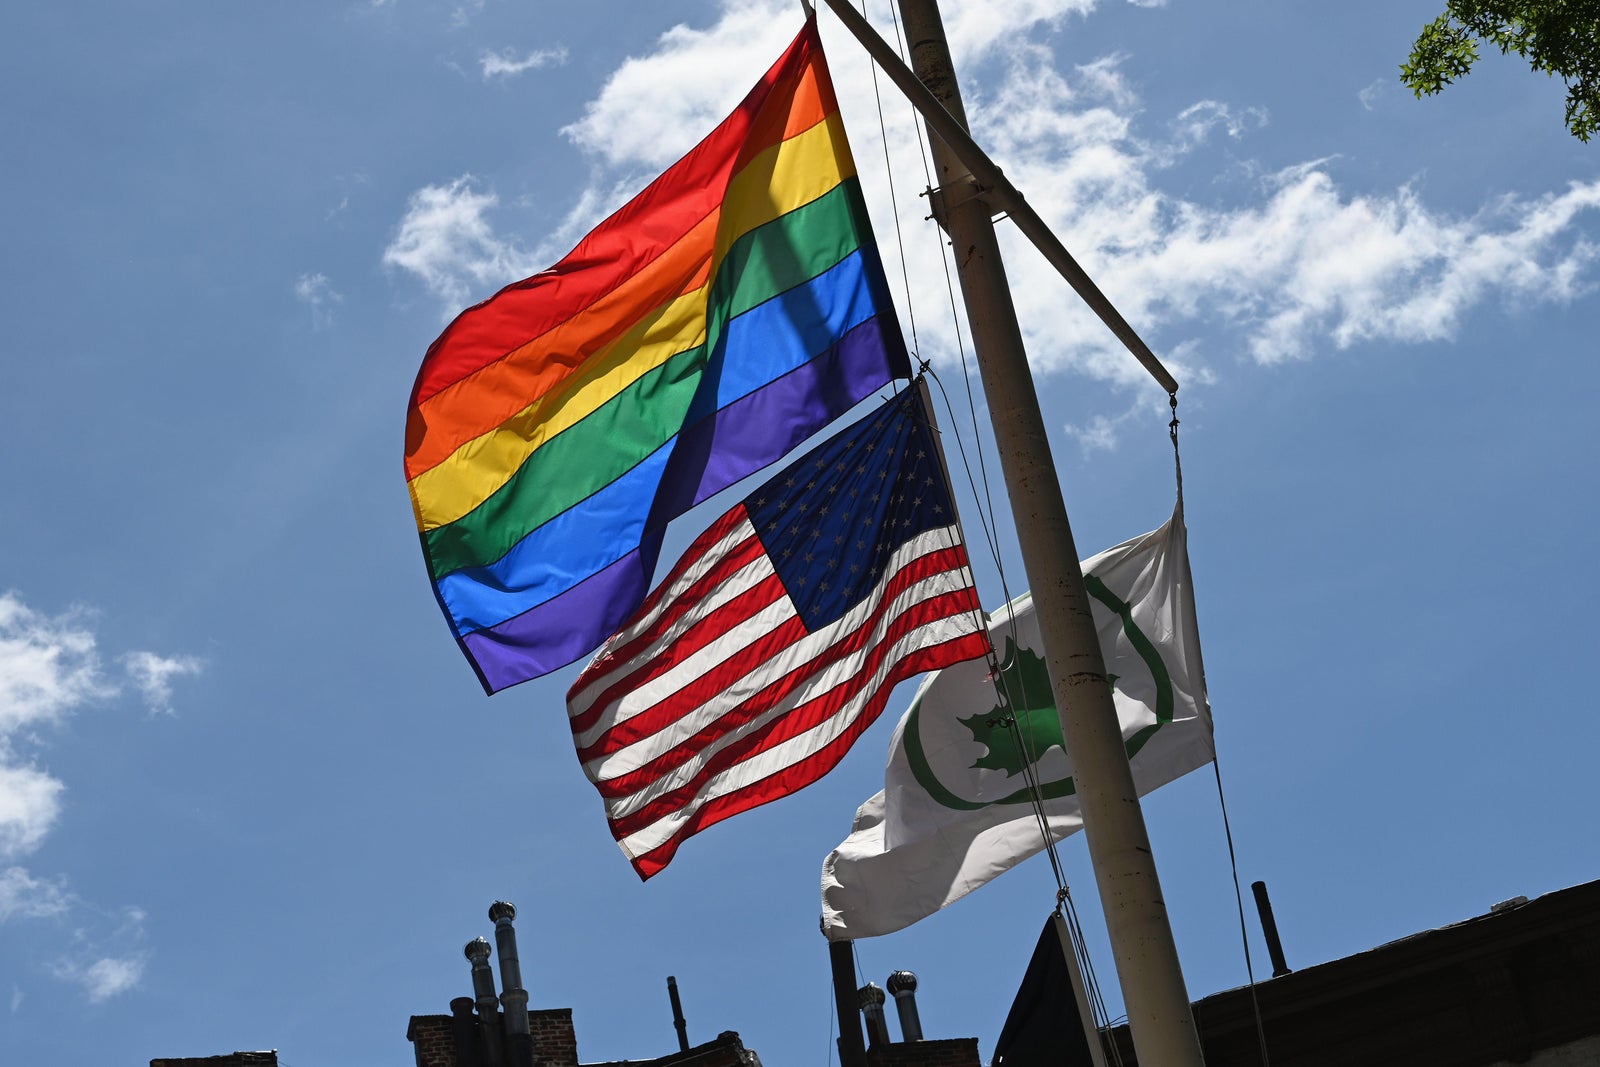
x,y
729,535
755,674
614,673
771,761
638,704
954,620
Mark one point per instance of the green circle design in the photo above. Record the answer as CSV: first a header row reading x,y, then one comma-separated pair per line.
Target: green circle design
x,y
1066,787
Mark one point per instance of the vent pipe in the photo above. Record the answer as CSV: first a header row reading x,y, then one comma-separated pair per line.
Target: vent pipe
x,y
477,951
679,1023
872,1000
1269,927
903,987
519,1043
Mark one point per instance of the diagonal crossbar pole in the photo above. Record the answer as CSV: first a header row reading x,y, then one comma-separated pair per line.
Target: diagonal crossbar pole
x,y
997,191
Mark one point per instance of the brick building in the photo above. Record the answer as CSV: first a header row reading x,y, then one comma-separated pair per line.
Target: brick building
x,y
442,1041
490,1030
1518,985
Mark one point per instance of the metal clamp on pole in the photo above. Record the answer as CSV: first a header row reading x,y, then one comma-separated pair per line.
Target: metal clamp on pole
x,y
940,204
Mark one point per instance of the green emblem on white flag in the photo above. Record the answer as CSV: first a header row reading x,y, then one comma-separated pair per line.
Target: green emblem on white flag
x,y
1144,681
955,810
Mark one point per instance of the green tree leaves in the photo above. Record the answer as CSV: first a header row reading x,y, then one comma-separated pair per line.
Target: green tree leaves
x,y
1558,37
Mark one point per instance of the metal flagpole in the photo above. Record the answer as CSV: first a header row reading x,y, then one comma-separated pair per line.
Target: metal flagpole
x,y
1159,1015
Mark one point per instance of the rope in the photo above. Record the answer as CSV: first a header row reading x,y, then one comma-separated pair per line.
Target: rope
x,y
1216,766
924,154
894,203
1091,983
833,1046
986,511
1177,460
1238,896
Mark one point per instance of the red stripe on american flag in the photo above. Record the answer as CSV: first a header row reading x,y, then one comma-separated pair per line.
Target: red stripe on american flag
x,y
798,775
790,724
686,700
725,674
720,678
702,633
651,623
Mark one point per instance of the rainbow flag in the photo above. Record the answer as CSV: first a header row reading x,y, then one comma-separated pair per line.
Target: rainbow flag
x,y
726,313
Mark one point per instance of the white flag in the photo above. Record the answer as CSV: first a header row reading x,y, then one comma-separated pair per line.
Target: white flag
x,y
955,810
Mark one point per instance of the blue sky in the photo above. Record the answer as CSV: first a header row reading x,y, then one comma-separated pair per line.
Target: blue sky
x,y
250,794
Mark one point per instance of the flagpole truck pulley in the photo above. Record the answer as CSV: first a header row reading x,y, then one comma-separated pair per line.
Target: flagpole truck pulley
x,y
1157,1002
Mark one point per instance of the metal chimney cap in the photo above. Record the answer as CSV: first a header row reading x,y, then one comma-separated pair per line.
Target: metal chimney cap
x,y
502,909
476,950
871,995
902,982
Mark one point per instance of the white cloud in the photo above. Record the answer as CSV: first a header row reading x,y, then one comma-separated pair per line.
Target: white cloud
x,y
30,801
1196,122
48,666
102,974
463,13
1297,265
1103,432
446,241
655,107
23,896
152,675
105,977
106,962
1298,268
507,64
317,293
1099,434
1373,92
978,28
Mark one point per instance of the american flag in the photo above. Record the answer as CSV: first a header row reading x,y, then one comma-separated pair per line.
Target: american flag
x,y
751,669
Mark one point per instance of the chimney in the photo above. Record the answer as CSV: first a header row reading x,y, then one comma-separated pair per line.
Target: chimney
x,y
872,998
903,987
464,1029
519,1043
477,951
